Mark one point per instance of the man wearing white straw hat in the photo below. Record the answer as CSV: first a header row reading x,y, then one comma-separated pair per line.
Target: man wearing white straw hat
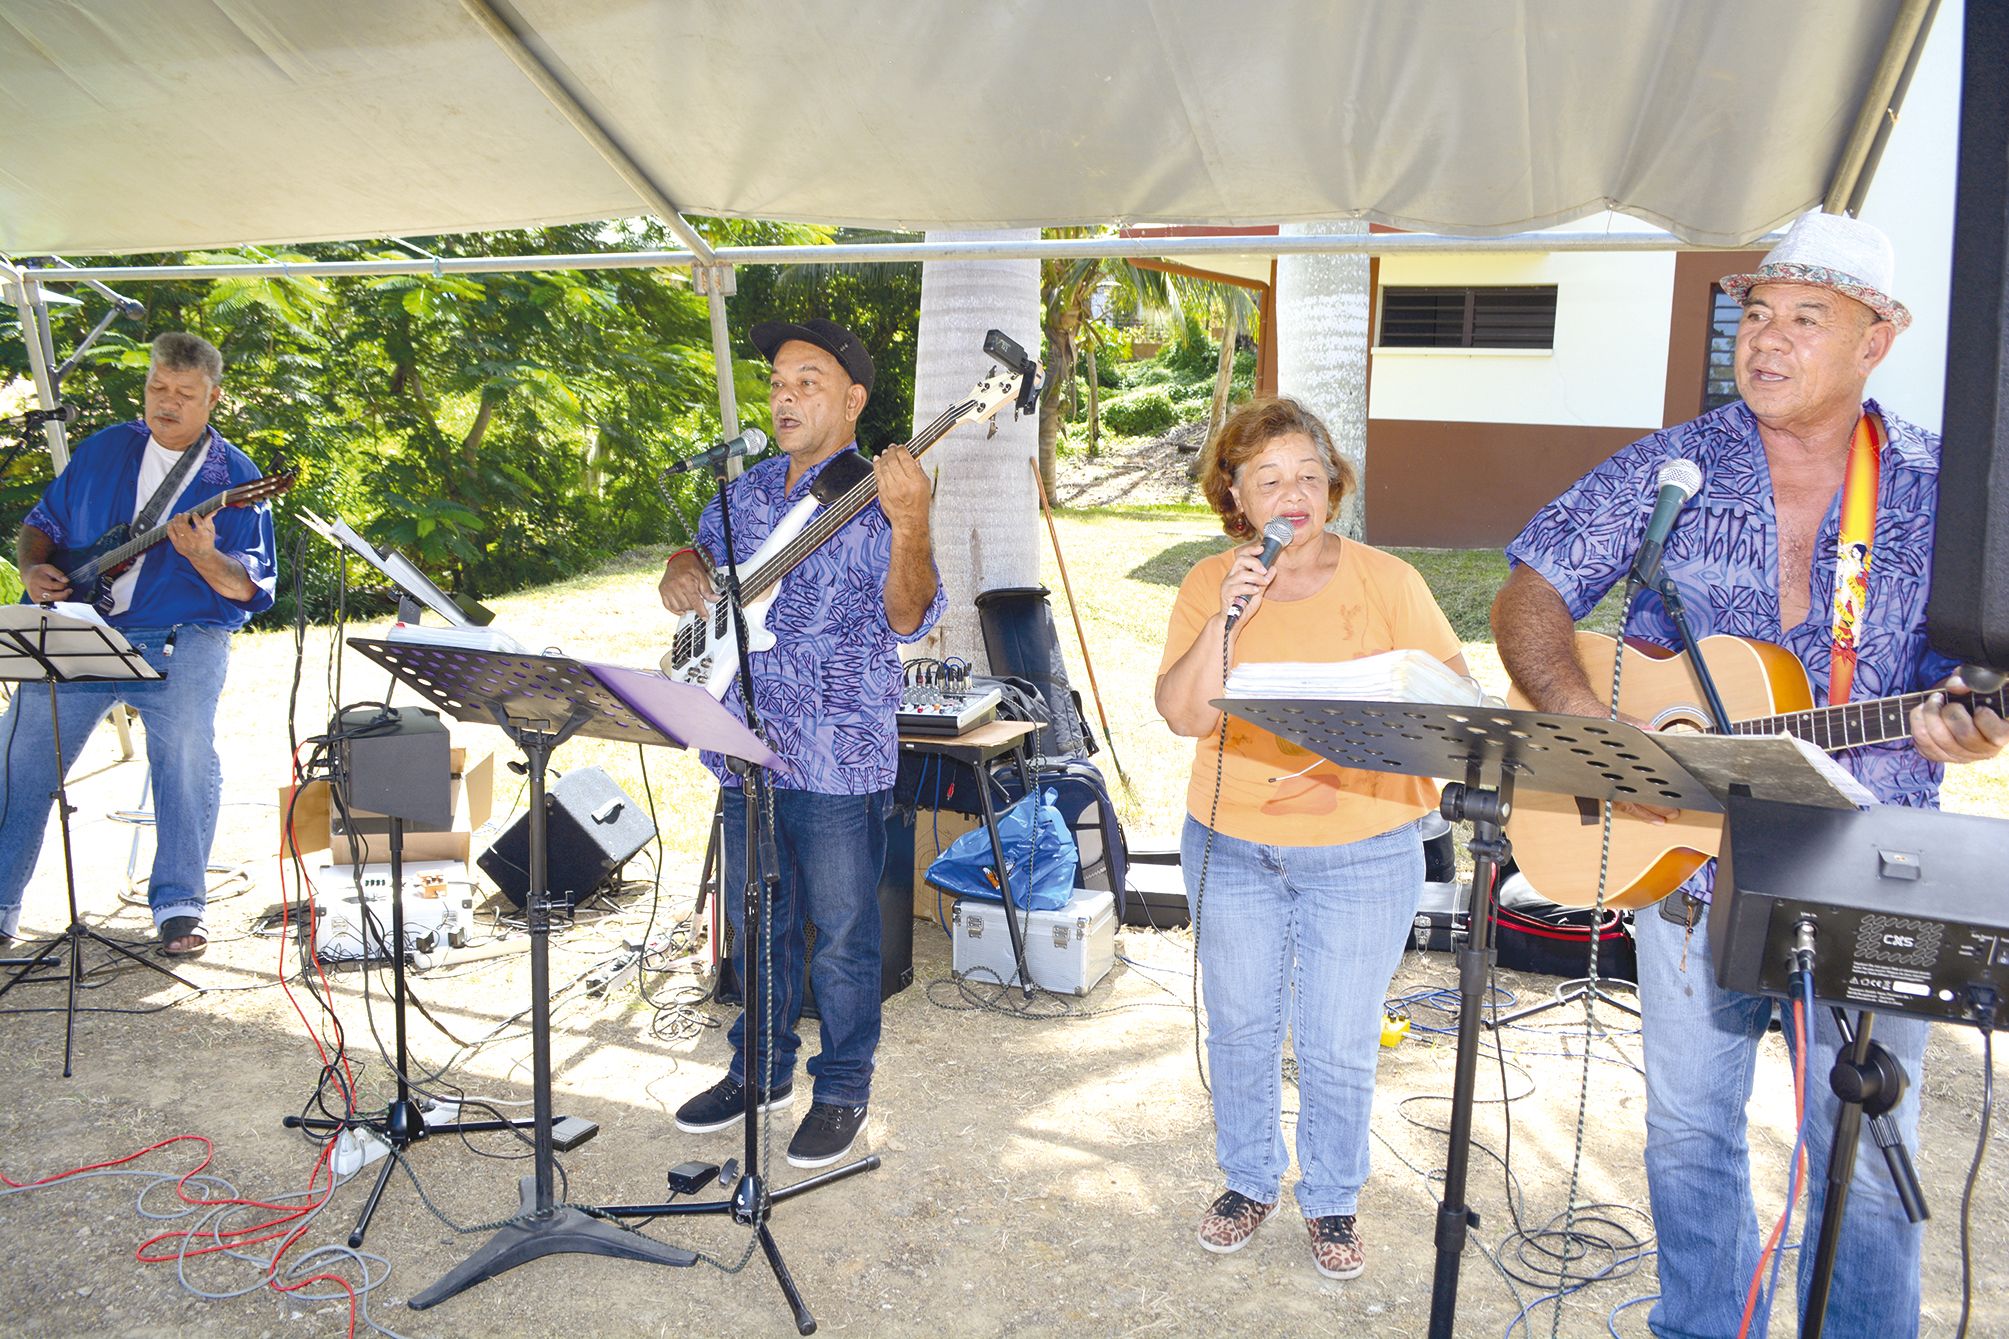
x,y
1812,530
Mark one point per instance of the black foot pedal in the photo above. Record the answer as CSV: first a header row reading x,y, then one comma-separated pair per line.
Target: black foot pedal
x,y
568,1132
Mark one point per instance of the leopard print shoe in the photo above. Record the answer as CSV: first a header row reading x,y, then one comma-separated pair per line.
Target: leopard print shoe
x,y
1336,1248
1230,1221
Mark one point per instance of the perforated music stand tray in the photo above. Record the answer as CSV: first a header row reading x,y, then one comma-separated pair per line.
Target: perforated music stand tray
x,y
47,644
540,702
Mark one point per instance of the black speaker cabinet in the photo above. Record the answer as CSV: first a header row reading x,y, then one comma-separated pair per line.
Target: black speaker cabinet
x,y
395,762
896,922
591,828
1968,613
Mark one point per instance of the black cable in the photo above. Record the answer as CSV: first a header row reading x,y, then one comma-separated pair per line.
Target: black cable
x,y
1974,1172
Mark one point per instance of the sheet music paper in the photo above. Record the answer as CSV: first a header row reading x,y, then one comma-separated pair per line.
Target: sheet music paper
x,y
1769,767
1389,676
74,637
394,565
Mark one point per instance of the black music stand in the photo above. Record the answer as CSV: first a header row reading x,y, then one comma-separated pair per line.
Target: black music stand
x,y
540,702
1493,750
41,643
402,1123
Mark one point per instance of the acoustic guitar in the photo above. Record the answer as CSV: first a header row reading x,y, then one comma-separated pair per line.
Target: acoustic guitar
x,y
1765,692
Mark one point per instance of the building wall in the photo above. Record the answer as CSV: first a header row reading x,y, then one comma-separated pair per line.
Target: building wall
x,y
1464,445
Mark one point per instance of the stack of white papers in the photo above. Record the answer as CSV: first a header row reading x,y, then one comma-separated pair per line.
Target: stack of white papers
x,y
1391,676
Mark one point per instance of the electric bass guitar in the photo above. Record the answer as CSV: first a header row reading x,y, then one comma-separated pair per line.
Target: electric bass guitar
x,y
1765,692
703,647
91,569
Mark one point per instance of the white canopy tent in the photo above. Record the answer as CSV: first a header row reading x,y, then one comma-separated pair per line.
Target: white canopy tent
x,y
189,124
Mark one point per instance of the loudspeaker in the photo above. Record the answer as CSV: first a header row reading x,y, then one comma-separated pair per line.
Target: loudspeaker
x,y
1967,615
896,922
1019,642
396,762
591,828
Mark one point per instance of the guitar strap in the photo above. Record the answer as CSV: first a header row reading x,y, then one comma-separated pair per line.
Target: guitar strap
x,y
170,487
845,469
1852,554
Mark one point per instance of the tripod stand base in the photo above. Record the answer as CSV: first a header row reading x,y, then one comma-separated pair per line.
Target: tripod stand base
x,y
73,973
564,1230
1574,992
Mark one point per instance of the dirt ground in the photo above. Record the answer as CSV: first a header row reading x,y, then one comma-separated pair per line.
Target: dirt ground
x,y
1040,1176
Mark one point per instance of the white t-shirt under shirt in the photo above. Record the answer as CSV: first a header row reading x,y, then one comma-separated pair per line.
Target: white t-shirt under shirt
x,y
154,466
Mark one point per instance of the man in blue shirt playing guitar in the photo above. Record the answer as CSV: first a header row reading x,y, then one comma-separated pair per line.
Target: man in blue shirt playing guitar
x,y
176,591
827,691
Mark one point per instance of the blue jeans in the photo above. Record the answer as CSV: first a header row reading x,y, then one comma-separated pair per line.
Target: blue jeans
x,y
179,713
1701,1055
831,849
1308,935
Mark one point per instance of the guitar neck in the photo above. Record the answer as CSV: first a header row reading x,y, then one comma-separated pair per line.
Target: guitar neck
x,y
841,509
1857,724
146,539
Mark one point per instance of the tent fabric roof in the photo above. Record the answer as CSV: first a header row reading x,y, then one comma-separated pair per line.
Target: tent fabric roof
x,y
184,124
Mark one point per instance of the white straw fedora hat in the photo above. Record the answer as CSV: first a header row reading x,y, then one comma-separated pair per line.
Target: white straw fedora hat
x,y
1831,251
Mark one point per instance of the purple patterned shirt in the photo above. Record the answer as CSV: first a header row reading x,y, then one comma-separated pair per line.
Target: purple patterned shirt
x,y
828,689
1724,557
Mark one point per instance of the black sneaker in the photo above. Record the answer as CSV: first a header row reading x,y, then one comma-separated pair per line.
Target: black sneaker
x,y
723,1105
825,1135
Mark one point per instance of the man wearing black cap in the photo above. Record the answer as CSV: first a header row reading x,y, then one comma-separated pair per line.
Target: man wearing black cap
x,y
826,693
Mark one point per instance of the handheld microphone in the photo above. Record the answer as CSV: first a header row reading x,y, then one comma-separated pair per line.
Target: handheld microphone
x,y
1679,480
749,443
1275,535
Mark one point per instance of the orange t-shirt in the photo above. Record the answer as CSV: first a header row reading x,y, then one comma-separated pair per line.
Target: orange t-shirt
x,y
1374,602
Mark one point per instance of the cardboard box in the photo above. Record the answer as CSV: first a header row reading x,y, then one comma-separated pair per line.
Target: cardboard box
x,y
318,827
933,830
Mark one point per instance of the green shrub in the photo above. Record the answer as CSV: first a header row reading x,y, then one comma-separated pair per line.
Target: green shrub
x,y
1138,412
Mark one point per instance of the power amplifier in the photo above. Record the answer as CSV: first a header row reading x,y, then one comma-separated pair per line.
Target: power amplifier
x,y
1906,905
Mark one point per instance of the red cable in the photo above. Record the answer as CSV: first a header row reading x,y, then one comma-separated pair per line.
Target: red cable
x,y
1799,1167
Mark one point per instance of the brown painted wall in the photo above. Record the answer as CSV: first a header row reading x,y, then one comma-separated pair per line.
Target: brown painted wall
x,y
1688,326
1472,485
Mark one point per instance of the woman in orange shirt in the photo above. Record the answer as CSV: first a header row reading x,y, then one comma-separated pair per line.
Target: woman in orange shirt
x,y
1304,876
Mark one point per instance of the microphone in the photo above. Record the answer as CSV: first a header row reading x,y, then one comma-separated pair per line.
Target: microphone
x,y
1275,535
1679,480
749,443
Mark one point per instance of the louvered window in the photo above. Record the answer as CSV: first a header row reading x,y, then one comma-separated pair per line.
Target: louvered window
x,y
1719,377
1468,318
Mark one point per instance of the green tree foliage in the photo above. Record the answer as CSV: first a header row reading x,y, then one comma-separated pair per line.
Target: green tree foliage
x,y
880,304
499,429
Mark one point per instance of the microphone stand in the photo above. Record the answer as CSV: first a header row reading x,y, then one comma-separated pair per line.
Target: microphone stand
x,y
751,1202
1657,581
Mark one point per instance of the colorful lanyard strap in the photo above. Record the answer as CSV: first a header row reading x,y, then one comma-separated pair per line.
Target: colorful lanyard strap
x,y
1852,554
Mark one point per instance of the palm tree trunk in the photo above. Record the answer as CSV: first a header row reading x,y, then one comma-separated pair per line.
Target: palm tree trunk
x,y
1322,349
1224,375
986,517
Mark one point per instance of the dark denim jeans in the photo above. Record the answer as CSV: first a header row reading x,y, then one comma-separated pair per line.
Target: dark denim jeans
x,y
831,849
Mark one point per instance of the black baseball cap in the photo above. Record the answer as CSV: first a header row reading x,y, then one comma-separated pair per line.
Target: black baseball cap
x,y
829,336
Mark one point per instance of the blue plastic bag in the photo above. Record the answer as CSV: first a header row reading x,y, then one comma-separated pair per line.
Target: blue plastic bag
x,y
1039,854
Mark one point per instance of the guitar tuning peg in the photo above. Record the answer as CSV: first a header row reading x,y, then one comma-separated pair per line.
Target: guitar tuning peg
x,y
990,429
